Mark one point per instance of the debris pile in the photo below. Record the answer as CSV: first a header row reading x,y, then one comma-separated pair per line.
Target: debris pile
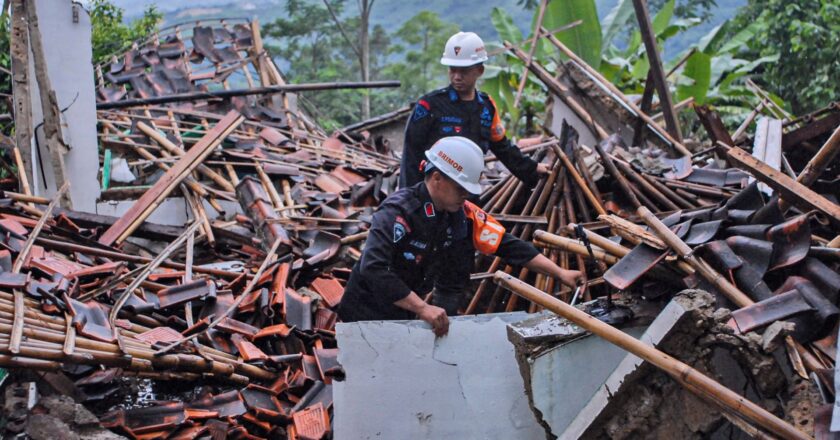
x,y
240,299
759,230
242,296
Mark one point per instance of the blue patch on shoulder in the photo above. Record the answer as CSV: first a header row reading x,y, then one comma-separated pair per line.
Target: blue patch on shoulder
x,y
399,232
420,112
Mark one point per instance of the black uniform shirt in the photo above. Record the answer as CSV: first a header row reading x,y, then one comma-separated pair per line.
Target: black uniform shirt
x,y
413,247
442,113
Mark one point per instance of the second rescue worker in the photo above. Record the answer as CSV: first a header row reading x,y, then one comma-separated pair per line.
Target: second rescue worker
x,y
462,110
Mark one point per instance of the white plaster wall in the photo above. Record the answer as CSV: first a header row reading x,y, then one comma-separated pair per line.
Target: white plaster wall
x,y
68,54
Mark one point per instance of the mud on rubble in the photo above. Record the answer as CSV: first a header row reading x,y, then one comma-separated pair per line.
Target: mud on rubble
x,y
656,407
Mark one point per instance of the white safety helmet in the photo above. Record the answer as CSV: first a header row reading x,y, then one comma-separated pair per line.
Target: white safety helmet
x,y
464,49
460,159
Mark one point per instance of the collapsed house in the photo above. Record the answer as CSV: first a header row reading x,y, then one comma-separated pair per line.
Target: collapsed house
x,y
204,262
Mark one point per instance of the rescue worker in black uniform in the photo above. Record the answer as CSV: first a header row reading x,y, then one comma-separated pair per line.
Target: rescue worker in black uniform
x,y
424,237
461,110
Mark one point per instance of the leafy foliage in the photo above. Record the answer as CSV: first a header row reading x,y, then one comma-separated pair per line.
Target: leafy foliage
x,y
310,48
111,35
712,71
423,37
805,35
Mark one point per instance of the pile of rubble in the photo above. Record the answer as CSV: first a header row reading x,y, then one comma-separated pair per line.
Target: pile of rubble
x,y
240,298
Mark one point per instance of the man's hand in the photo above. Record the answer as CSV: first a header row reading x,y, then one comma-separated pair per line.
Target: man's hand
x,y
543,265
435,316
542,169
570,277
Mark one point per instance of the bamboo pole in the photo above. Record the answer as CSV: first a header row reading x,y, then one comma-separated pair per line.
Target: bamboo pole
x,y
719,281
537,30
174,149
599,207
693,380
72,247
24,181
17,326
601,241
644,184
570,245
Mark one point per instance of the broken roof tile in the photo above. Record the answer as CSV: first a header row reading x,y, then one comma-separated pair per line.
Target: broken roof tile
x,y
330,290
228,404
312,423
231,325
327,361
90,319
160,334
297,310
281,330
247,349
184,293
325,319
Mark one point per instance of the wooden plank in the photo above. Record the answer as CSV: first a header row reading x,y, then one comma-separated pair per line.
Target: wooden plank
x,y
659,80
790,190
19,51
646,103
713,125
144,206
49,103
767,147
810,131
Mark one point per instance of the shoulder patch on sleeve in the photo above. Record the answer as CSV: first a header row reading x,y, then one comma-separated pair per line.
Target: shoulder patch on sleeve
x,y
399,231
487,232
421,110
497,130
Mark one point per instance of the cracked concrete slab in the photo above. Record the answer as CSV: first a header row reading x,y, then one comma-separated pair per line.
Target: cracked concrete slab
x,y
403,383
575,380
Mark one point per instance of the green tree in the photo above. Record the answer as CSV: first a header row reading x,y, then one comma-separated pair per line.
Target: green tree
x,y
110,35
805,35
311,48
423,37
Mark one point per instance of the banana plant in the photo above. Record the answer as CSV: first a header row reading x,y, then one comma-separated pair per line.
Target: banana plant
x,y
712,73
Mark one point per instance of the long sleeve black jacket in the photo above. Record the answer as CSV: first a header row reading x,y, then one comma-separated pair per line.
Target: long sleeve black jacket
x,y
413,247
442,113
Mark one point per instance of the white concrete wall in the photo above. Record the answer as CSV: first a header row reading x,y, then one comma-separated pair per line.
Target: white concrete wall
x,y
68,54
403,383
560,111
